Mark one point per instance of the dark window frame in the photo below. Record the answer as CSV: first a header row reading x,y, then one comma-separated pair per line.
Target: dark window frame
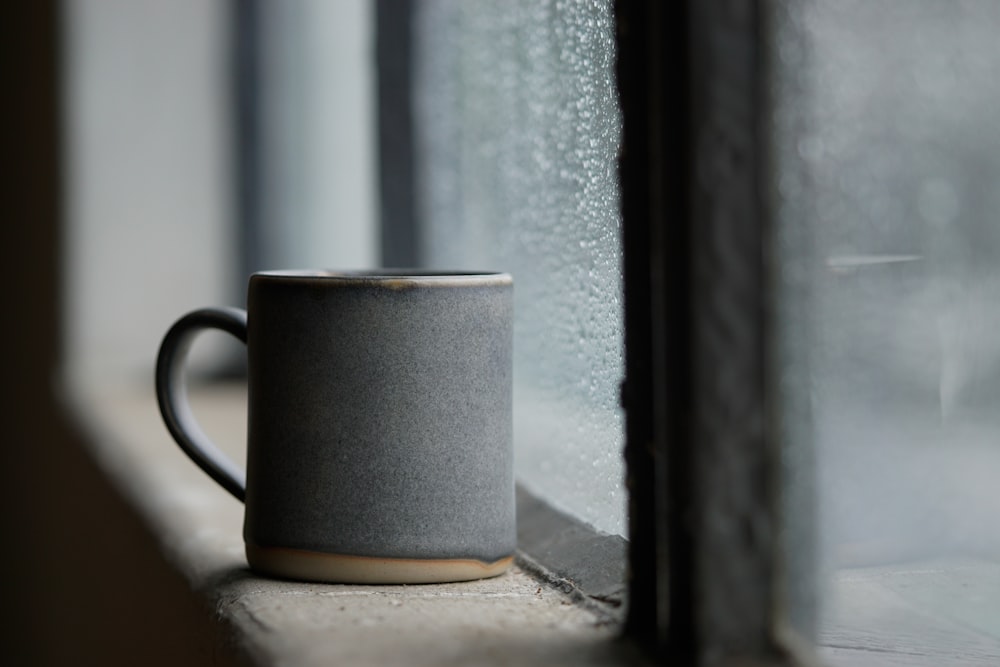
x,y
704,444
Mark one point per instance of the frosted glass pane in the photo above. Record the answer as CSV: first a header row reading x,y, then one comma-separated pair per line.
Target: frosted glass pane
x,y
518,133
891,166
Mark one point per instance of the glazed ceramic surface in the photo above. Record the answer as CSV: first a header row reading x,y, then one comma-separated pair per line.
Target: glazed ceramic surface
x,y
379,440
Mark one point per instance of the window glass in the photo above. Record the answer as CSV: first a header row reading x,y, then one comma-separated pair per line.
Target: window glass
x,y
517,137
891,165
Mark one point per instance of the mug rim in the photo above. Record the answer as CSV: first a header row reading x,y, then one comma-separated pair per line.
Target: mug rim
x,y
387,277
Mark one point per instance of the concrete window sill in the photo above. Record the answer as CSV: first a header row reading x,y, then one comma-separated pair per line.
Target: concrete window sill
x,y
512,619
927,612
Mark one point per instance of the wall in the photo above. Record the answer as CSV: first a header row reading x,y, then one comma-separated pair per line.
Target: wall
x,y
83,581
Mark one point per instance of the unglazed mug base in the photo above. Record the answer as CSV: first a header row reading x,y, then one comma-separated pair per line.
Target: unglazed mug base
x,y
344,569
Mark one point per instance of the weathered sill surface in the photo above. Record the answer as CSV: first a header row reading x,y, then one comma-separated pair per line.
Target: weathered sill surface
x,y
937,612
927,613
509,620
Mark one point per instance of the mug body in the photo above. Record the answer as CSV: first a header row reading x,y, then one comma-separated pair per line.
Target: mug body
x,y
380,432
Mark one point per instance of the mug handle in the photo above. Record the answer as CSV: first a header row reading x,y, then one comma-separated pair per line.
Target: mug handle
x,y
171,393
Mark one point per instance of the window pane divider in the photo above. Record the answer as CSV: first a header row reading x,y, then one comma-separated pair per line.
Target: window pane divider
x,y
707,582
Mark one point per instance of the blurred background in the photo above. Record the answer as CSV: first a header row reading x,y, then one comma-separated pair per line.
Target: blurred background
x,y
902,155
887,165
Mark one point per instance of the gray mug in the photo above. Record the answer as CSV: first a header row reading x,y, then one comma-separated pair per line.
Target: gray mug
x,y
379,443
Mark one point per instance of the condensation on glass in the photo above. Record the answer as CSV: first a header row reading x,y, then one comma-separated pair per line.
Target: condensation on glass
x,y
518,133
889,209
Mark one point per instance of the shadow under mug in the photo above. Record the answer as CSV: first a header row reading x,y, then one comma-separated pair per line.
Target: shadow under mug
x,y
379,441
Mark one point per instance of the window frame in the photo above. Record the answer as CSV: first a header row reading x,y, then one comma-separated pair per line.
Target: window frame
x,y
703,446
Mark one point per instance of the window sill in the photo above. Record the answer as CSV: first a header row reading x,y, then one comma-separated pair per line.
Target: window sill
x,y
513,619
918,614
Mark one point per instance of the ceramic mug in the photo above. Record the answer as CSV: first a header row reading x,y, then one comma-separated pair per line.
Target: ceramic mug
x,y
379,443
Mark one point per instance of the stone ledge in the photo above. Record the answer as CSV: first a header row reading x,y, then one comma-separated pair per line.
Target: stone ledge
x,y
512,619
